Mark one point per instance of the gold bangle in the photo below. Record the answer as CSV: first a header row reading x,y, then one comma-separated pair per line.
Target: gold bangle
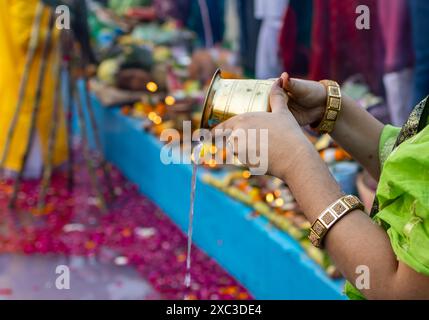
x,y
333,106
332,215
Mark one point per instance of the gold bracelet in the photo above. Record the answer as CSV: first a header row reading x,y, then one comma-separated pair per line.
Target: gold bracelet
x,y
333,107
332,215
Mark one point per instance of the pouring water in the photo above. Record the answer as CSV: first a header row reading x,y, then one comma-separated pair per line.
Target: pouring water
x,y
196,155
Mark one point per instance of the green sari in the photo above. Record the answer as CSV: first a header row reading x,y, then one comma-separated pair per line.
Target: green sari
x,y
402,199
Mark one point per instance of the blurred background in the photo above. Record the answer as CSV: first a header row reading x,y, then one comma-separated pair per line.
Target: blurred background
x,y
89,86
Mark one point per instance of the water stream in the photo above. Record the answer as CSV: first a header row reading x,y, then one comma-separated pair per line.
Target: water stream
x,y
196,155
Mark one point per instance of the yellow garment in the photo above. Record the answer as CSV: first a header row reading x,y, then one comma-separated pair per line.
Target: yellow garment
x,y
16,20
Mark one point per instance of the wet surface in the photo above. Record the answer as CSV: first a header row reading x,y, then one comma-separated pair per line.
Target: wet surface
x,y
44,277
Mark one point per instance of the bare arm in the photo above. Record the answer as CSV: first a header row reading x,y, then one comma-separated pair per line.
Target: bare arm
x,y
358,132
355,240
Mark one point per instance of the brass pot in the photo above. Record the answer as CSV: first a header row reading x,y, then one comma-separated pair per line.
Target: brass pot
x,y
229,97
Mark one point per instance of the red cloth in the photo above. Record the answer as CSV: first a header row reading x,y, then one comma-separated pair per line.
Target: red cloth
x,y
395,23
295,37
339,49
288,39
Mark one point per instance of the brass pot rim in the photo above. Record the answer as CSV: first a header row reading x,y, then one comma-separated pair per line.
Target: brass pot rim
x,y
208,105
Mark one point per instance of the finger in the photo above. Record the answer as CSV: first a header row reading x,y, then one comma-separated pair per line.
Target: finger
x,y
278,97
285,80
297,87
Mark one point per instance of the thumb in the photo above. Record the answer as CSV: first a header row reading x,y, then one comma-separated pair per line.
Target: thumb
x,y
296,87
278,97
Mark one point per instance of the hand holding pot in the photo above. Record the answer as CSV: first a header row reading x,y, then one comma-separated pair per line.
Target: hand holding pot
x,y
286,142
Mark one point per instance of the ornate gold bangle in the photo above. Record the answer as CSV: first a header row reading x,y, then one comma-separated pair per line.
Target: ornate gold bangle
x,y
333,107
332,215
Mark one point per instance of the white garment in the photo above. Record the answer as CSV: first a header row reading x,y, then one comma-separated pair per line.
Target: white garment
x,y
34,166
268,63
232,25
270,9
398,87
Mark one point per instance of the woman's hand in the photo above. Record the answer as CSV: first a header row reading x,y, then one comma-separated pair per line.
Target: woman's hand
x,y
307,99
285,141
355,240
355,129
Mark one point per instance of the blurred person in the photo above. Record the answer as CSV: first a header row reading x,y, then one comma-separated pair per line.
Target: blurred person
x,y
271,13
394,17
420,28
206,19
16,21
249,27
340,50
